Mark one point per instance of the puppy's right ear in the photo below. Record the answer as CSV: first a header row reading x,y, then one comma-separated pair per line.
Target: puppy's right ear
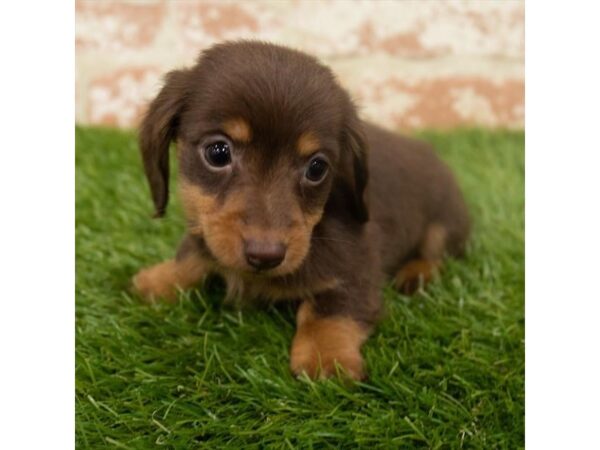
x,y
158,129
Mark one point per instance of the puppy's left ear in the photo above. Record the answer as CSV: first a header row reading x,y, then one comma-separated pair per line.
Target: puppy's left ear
x,y
355,164
157,130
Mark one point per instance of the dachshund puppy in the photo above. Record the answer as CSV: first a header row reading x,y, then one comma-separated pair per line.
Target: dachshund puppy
x,y
289,195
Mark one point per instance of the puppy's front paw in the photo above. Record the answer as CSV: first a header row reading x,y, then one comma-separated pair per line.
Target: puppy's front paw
x,y
156,282
306,357
322,344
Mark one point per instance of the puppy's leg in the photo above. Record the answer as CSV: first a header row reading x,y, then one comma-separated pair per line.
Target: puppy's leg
x,y
322,343
162,281
418,272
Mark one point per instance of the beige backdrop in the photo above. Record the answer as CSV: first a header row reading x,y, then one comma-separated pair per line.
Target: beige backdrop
x,y
409,64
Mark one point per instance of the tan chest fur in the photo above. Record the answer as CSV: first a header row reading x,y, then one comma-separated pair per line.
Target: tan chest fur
x,y
250,288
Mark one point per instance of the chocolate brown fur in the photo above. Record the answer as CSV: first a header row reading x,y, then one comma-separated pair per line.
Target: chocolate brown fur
x,y
386,202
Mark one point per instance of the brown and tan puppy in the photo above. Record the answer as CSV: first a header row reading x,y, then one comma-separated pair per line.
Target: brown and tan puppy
x,y
289,195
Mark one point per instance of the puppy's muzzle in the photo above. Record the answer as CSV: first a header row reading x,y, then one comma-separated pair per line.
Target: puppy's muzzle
x,y
264,255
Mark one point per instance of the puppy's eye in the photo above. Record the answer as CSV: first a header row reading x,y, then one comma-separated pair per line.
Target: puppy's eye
x,y
316,170
218,154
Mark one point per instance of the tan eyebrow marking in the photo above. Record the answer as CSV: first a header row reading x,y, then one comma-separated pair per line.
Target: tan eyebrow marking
x,y
307,143
238,129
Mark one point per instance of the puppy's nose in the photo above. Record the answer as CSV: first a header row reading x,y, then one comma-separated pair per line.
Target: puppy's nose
x,y
264,255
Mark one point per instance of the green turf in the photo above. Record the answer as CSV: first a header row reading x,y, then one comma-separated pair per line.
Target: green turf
x,y
446,367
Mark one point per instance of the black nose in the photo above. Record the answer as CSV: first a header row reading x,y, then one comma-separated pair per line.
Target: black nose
x,y
264,255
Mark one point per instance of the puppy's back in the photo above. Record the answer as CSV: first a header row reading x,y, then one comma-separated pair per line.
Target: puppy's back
x,y
410,188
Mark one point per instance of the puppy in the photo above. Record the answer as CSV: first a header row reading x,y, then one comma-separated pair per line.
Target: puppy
x,y
289,195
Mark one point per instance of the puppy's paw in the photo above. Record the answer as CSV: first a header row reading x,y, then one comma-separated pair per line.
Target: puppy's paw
x,y
156,282
322,364
415,274
324,344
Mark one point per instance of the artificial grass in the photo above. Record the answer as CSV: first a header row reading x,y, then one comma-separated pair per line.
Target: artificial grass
x,y
446,367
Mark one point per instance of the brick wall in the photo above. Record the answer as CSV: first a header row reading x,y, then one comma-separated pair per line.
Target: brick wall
x,y
408,64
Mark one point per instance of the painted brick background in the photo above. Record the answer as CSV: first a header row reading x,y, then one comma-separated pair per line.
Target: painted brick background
x,y
409,64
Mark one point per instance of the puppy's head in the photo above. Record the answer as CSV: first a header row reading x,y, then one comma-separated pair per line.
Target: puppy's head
x,y
264,135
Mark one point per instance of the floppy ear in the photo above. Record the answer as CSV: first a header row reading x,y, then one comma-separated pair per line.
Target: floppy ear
x,y
355,165
157,130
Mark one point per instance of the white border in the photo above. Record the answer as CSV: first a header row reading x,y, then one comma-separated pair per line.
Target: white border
x,y
563,225
36,240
